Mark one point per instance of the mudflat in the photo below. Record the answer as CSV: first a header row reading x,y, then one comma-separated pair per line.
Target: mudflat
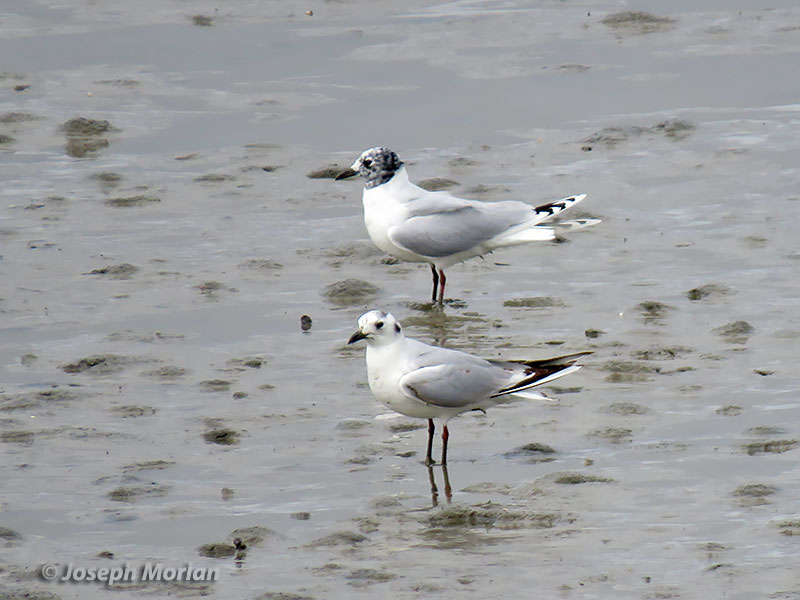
x,y
168,214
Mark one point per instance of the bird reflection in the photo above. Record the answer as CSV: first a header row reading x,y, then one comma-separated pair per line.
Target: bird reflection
x,y
448,490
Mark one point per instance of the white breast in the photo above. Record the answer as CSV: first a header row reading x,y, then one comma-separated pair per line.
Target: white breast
x,y
385,367
384,208
384,371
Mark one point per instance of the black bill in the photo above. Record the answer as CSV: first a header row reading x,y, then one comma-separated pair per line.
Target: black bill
x,y
357,336
348,172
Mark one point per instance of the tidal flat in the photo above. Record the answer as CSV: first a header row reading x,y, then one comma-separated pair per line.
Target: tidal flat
x,y
167,216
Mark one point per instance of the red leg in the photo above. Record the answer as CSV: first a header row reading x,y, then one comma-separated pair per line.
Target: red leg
x,y
445,437
431,429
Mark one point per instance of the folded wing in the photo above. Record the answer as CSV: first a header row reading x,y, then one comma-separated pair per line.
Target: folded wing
x,y
451,385
440,224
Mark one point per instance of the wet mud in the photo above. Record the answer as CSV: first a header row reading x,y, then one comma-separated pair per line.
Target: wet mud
x,y
180,274
635,22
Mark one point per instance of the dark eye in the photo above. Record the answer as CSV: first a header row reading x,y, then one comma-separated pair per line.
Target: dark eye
x,y
367,162
379,324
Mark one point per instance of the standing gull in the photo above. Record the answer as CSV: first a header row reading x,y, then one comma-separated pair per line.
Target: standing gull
x,y
427,382
416,225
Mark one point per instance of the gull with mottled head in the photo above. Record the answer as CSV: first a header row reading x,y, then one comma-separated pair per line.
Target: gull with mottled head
x,y
417,225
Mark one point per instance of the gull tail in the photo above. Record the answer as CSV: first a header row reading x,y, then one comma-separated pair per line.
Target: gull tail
x,y
575,224
551,209
531,231
528,395
539,372
533,234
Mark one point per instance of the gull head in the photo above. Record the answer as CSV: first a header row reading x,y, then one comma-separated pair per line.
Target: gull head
x,y
377,165
377,327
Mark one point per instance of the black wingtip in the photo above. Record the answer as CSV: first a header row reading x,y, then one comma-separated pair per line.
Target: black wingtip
x,y
566,360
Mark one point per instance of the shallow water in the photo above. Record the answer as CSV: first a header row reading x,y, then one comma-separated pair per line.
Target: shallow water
x,y
203,380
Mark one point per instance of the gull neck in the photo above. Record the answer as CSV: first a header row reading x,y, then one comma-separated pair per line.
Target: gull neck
x,y
384,177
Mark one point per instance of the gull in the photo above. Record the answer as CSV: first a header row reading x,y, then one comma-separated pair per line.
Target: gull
x,y
416,225
428,382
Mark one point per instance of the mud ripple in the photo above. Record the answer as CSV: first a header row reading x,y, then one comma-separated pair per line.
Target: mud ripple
x,y
221,436
364,577
661,352
166,373
120,271
134,493
613,435
104,364
754,494
214,178
493,515
770,446
33,400
81,126
351,252
710,290
789,527
736,332
14,117
628,371
637,22
534,452
107,179
249,362
148,465
350,292
86,136
435,184
328,172
260,264
653,311
134,411
24,438
9,537
131,201
577,478
202,20
211,289
339,538
215,385
626,409
534,302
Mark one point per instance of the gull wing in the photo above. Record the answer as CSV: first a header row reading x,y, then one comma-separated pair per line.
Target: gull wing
x,y
453,379
451,385
441,224
458,229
